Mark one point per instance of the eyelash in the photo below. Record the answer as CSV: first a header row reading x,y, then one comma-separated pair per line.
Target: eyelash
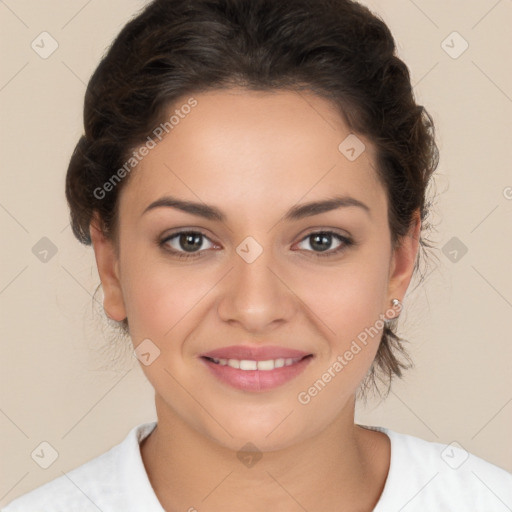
x,y
347,242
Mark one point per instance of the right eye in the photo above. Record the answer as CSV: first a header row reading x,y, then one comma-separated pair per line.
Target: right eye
x,y
184,244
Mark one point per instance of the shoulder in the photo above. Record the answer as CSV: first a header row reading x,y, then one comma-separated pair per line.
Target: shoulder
x,y
425,475
99,484
78,489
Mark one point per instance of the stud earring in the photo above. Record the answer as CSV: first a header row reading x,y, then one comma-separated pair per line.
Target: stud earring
x,y
396,303
396,308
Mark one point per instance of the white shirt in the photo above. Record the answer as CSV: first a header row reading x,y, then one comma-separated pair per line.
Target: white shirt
x,y
423,476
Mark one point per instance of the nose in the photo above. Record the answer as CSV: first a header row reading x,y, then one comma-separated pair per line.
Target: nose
x,y
256,295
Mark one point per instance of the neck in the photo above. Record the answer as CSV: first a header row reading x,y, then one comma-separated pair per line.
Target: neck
x,y
344,465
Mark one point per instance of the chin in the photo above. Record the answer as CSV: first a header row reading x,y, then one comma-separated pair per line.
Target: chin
x,y
267,432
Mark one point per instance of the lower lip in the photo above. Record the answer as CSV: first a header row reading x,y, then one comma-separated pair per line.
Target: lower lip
x,y
256,380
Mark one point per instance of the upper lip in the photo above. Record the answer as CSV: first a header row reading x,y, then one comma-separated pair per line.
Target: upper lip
x,y
265,353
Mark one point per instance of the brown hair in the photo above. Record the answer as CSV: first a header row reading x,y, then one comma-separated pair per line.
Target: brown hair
x,y
337,49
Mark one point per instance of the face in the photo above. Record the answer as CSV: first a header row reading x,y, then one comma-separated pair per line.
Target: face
x,y
288,290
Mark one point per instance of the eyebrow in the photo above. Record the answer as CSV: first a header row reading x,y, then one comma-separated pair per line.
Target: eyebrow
x,y
295,213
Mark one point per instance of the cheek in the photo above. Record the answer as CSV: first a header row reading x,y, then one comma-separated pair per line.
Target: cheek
x,y
348,308
347,305
348,298
159,298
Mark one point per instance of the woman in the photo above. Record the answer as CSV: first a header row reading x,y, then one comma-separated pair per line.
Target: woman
x,y
252,179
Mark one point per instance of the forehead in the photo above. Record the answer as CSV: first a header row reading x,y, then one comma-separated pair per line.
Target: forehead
x,y
255,149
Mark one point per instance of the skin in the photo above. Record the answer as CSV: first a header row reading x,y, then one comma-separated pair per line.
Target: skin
x,y
254,155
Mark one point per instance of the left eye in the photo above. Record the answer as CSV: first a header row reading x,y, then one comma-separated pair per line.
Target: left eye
x,y
321,242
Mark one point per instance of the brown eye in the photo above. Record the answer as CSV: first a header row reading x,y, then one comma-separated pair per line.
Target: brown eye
x,y
185,244
322,241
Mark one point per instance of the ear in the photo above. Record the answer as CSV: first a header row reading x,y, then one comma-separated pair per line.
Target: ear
x,y
108,268
403,261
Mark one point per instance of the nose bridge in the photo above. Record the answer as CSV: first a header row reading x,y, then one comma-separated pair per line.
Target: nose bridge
x,y
252,272
254,295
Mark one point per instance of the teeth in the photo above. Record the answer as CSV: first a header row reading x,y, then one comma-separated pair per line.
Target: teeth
x,y
266,365
247,364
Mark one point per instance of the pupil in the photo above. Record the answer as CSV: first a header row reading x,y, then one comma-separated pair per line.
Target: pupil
x,y
321,238
194,239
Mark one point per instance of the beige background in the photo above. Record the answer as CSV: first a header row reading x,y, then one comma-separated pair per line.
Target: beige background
x,y
52,386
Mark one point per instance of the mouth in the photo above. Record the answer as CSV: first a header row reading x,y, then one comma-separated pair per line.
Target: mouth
x,y
251,364
259,372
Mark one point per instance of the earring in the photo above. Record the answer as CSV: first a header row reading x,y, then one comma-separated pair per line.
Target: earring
x,y
395,311
396,303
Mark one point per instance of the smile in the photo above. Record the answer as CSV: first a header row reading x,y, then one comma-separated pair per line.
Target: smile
x,y
256,376
247,364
